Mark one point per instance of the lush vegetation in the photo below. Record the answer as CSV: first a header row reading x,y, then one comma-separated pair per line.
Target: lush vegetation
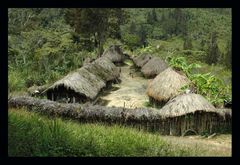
x,y
31,134
45,44
213,88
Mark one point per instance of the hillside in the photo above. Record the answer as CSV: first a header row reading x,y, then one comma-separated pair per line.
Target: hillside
x,y
165,72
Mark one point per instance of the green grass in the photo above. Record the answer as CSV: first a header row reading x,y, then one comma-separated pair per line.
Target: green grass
x,y
31,134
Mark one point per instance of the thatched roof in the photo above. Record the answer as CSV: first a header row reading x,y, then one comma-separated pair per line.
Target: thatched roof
x,y
141,60
225,111
186,103
153,67
114,53
87,61
82,82
103,68
166,85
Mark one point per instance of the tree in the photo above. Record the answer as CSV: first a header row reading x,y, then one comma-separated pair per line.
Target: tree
x,y
149,18
142,35
228,56
187,43
97,22
132,28
154,15
163,17
213,50
181,24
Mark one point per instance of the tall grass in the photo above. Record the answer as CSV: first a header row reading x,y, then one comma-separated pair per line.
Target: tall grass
x,y
31,134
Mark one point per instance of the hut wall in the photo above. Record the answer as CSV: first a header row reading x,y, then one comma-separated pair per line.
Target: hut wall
x,y
199,122
61,94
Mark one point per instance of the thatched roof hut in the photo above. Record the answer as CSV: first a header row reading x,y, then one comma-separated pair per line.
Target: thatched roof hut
x,y
186,103
114,53
153,67
85,83
166,85
193,113
141,60
81,84
103,68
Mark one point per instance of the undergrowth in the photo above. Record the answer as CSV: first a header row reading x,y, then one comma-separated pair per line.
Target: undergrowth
x,y
31,134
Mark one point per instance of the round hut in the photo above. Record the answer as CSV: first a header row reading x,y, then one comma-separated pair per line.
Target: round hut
x,y
165,86
153,67
115,54
141,60
193,113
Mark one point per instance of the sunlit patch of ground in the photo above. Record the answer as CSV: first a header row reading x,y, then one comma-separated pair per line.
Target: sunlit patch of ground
x,y
131,92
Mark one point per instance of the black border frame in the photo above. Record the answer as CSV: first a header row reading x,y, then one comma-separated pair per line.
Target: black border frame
x,y
124,4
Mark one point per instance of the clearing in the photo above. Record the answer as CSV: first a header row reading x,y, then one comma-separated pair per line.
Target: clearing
x,y
130,93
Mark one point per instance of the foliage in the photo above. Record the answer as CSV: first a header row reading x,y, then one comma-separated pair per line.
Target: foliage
x,y
42,46
33,135
187,43
213,50
98,23
15,81
228,56
131,40
206,84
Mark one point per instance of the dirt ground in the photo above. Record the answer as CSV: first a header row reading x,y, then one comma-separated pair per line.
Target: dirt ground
x,y
220,145
131,92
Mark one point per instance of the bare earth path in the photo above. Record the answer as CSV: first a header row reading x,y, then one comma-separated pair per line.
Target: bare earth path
x,y
131,92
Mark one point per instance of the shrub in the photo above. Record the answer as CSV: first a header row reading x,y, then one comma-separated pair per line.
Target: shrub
x,y
206,84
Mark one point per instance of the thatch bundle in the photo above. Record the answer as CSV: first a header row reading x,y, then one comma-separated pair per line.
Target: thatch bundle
x,y
37,90
82,82
86,111
114,53
153,67
192,112
166,85
103,68
142,118
186,103
141,60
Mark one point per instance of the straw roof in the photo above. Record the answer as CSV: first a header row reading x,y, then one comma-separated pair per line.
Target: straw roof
x,y
141,60
114,53
103,68
82,82
166,85
225,111
153,67
186,103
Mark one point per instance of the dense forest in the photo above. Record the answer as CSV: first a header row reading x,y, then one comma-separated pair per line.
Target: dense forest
x,y
45,44
173,75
